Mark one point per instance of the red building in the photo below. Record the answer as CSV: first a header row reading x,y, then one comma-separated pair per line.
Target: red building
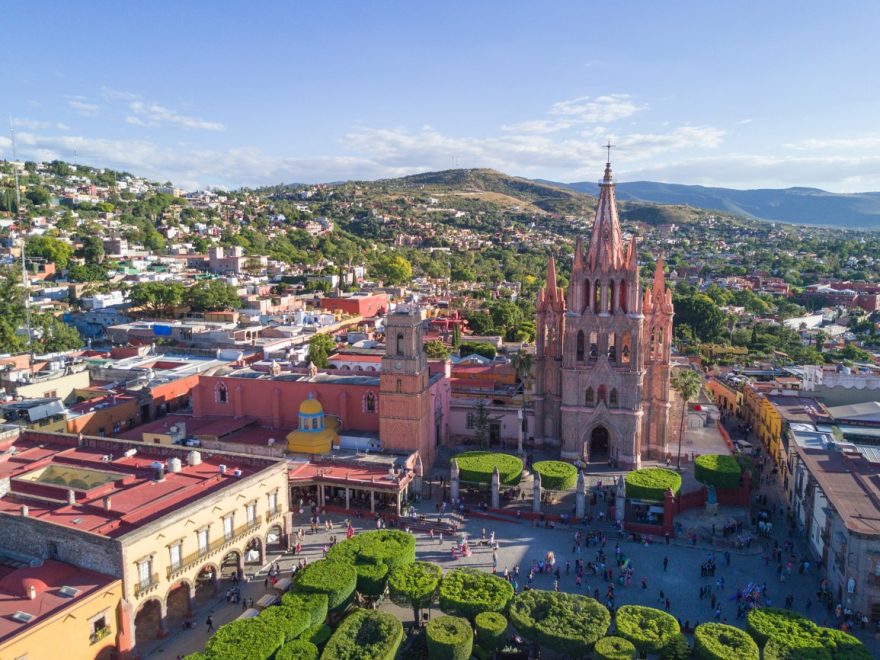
x,y
366,305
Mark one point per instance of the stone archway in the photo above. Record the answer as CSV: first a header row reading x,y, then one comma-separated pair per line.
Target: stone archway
x,y
231,565
598,445
206,584
178,604
253,552
275,539
148,623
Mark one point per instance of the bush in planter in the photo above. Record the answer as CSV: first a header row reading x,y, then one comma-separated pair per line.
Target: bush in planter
x,y
467,592
477,467
766,622
415,585
365,635
717,470
297,650
556,475
491,630
567,623
245,639
449,638
336,579
317,634
292,622
613,648
314,604
718,641
649,629
652,483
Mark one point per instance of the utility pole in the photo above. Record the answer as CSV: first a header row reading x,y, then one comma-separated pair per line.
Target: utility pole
x,y
24,273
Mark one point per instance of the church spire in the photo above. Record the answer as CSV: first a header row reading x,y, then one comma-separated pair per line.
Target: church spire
x,y
551,277
659,279
578,255
606,242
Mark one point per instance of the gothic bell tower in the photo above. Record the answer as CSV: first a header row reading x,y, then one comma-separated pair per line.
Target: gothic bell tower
x,y
405,414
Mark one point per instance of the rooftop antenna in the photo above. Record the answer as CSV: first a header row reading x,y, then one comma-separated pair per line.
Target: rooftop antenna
x,y
24,273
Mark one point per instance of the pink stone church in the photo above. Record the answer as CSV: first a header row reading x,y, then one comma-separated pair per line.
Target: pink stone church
x,y
603,351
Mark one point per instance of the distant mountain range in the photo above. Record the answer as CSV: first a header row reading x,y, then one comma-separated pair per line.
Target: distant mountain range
x,y
805,206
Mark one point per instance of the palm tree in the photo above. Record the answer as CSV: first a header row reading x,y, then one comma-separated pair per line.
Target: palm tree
x,y
522,362
688,384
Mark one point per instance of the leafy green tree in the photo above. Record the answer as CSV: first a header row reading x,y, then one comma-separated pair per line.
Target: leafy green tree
x,y
456,336
12,310
701,314
159,298
49,248
392,269
468,348
38,196
93,249
479,322
321,346
688,384
86,273
415,585
505,315
482,422
211,295
55,335
436,349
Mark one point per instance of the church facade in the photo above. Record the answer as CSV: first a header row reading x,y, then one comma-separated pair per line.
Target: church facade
x,y
602,363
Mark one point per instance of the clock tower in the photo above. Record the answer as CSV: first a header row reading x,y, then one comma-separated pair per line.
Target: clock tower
x,y
405,411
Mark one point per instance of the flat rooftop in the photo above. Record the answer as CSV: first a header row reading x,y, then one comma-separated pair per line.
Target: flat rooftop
x,y
243,430
57,586
114,494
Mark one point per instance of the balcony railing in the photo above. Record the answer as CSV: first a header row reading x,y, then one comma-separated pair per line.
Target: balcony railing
x,y
222,543
273,515
144,586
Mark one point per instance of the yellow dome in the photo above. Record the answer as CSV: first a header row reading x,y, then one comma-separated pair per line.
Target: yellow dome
x,y
311,407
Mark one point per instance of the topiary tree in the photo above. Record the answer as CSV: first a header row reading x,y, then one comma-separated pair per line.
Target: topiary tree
x,y
467,592
415,585
292,622
313,603
336,579
556,475
245,639
766,622
491,630
373,554
567,623
649,629
365,635
677,649
786,634
777,649
718,641
717,470
613,648
317,635
652,483
477,467
449,638
298,649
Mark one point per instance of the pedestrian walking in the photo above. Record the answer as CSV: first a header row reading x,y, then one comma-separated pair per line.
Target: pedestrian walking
x,y
665,563
210,623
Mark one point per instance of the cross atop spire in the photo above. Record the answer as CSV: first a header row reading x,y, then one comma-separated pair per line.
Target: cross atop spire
x,y
607,178
609,146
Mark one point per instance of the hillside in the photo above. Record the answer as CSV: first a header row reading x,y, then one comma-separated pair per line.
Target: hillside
x,y
807,206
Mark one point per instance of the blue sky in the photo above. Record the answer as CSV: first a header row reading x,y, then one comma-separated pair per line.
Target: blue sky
x,y
739,94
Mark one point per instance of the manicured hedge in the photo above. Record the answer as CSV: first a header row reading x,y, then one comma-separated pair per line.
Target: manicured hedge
x,y
477,467
776,649
717,470
314,604
291,621
317,635
297,650
556,475
371,579
718,641
647,628
391,547
766,622
467,592
491,630
652,483
336,579
678,648
415,585
449,638
790,635
365,635
245,639
567,623
614,648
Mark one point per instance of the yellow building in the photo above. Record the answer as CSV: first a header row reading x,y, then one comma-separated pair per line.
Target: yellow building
x,y
58,610
316,433
726,396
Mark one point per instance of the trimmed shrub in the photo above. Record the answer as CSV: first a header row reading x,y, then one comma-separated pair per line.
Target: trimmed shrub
x,y
652,483
336,579
449,638
317,635
613,648
649,629
491,630
477,467
776,649
365,635
314,604
415,585
290,621
245,639
391,547
717,470
677,649
467,592
787,626
718,641
567,623
371,579
556,475
297,650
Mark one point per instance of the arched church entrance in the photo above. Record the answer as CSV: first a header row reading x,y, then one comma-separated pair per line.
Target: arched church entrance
x,y
599,446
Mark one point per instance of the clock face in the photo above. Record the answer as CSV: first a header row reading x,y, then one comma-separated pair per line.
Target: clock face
x,y
398,365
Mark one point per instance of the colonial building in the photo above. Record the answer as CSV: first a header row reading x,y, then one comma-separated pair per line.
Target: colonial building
x,y
603,351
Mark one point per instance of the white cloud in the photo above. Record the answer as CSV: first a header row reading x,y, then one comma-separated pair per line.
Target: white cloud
x,y
36,125
80,104
579,111
154,114
117,95
864,142
743,122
